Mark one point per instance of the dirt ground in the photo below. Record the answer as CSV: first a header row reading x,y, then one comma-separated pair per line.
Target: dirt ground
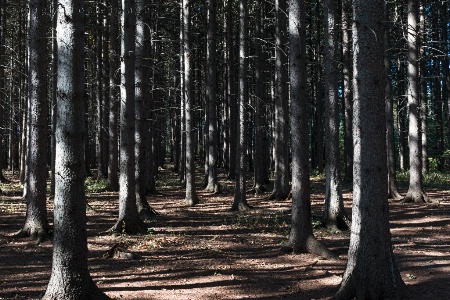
x,y
209,252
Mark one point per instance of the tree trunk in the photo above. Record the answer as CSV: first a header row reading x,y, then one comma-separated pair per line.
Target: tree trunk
x,y
281,187
211,95
390,141
232,94
54,83
2,86
334,215
36,224
371,271
70,278
348,90
240,200
301,238
191,195
415,192
114,67
261,159
129,220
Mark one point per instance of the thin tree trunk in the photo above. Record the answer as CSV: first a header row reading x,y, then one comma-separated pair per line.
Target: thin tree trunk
x,y
334,214
211,95
390,141
415,192
240,200
281,151
232,94
191,195
114,72
2,85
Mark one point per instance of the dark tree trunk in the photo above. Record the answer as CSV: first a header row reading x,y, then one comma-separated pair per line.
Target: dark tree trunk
x,y
261,157
240,200
370,241
70,277
348,90
128,220
281,151
232,95
2,85
36,223
390,141
114,72
334,215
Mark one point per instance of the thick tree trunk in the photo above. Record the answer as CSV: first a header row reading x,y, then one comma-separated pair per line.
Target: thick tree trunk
x,y
36,223
240,200
301,238
334,215
70,277
371,271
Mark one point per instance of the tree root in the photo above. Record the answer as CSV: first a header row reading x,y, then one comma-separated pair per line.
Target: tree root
x,y
39,235
119,251
418,197
136,226
309,245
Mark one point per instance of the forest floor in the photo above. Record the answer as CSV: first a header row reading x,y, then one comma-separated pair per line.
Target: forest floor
x,y
209,252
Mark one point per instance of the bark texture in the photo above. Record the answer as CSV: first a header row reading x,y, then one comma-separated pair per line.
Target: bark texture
x,y
301,238
240,200
371,271
36,223
70,278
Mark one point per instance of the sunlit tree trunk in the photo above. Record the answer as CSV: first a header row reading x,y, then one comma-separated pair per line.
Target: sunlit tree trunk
x,y
301,238
240,200
70,278
415,192
334,214
128,220
191,195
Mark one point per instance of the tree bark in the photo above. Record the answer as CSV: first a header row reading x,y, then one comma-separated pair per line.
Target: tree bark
x,y
371,271
240,200
334,215
2,86
128,220
36,223
211,95
70,278
281,187
191,195
114,83
415,192
301,237
390,141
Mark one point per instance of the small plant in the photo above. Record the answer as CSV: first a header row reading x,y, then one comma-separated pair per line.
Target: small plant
x,y
96,186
